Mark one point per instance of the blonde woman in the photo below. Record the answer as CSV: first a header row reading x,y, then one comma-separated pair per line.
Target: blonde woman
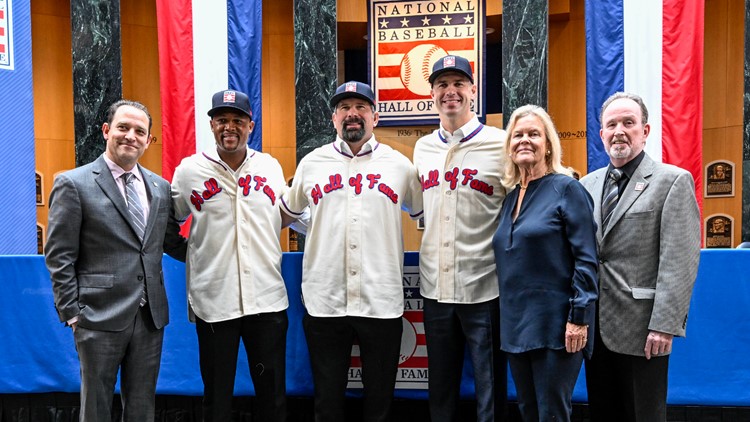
x,y
545,248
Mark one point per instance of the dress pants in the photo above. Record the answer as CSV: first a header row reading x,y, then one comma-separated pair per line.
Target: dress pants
x,y
545,380
626,388
449,328
329,341
136,352
264,337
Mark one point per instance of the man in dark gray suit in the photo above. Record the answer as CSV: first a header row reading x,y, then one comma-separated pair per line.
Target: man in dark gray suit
x,y
649,247
106,236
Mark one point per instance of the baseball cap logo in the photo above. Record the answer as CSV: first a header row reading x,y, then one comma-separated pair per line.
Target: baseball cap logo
x,y
351,87
229,96
449,61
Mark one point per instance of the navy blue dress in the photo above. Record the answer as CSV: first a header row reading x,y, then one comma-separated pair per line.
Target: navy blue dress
x,y
546,264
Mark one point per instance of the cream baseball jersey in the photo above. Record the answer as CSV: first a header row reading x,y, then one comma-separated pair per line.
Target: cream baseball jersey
x,y
462,192
354,248
234,256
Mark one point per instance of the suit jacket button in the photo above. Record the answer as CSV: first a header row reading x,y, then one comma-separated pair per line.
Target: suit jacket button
x,y
140,278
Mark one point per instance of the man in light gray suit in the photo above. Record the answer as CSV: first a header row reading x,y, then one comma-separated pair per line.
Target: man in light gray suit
x,y
106,236
649,247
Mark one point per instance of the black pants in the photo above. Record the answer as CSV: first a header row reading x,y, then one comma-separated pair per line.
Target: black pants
x,y
451,328
264,337
330,343
545,379
626,388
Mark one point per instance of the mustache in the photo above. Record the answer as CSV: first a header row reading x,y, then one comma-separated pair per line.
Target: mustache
x,y
357,120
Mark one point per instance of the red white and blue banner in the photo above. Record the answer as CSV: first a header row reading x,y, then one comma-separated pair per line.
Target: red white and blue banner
x,y
205,47
653,48
17,168
406,38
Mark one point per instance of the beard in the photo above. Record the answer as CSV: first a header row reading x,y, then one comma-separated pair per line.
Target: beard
x,y
620,151
353,135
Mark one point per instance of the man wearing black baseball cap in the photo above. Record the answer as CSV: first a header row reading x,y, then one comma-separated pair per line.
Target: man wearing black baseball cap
x,y
235,288
352,286
458,278
229,100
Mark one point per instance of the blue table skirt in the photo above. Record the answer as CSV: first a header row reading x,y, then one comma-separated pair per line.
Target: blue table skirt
x,y
37,353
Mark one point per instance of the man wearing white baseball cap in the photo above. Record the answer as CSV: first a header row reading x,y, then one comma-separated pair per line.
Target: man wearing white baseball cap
x,y
461,167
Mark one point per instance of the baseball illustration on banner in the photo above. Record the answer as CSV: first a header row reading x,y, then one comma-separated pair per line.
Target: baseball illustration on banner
x,y
408,341
417,66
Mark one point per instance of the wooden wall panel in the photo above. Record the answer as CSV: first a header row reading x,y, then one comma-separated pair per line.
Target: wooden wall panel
x,y
735,45
567,84
53,93
722,99
278,69
715,61
140,68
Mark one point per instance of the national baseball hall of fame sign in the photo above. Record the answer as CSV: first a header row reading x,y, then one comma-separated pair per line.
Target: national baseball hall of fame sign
x,y
412,362
406,38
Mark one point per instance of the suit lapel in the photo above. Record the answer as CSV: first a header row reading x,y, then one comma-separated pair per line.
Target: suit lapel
x,y
596,194
154,199
108,185
636,186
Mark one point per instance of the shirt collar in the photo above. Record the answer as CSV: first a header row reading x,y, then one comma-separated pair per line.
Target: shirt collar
x,y
462,134
343,147
213,155
629,168
118,171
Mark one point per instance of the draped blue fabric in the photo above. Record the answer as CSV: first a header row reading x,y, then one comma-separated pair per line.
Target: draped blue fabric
x,y
709,367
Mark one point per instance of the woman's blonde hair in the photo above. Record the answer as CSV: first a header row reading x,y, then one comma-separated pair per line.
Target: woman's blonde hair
x,y
512,174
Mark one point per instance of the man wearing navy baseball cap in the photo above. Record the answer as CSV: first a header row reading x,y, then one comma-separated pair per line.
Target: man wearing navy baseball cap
x,y
455,64
230,100
235,288
458,278
352,278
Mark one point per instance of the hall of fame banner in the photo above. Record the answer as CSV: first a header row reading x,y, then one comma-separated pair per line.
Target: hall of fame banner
x,y
412,363
406,38
6,38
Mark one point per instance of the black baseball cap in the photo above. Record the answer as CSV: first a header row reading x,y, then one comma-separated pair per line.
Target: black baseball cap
x,y
230,99
451,64
353,89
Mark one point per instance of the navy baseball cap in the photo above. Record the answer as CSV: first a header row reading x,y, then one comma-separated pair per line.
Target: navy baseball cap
x,y
353,89
451,64
230,99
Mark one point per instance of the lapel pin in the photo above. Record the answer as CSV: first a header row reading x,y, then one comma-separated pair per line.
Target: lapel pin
x,y
155,184
640,186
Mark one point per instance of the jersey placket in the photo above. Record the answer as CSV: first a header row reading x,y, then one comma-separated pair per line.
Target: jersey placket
x,y
242,210
354,237
448,205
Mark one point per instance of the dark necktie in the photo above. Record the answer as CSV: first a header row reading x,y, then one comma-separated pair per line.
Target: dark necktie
x,y
134,205
611,195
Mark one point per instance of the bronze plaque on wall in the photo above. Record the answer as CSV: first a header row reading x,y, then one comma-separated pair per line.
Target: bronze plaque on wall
x,y
39,239
719,179
39,189
718,231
